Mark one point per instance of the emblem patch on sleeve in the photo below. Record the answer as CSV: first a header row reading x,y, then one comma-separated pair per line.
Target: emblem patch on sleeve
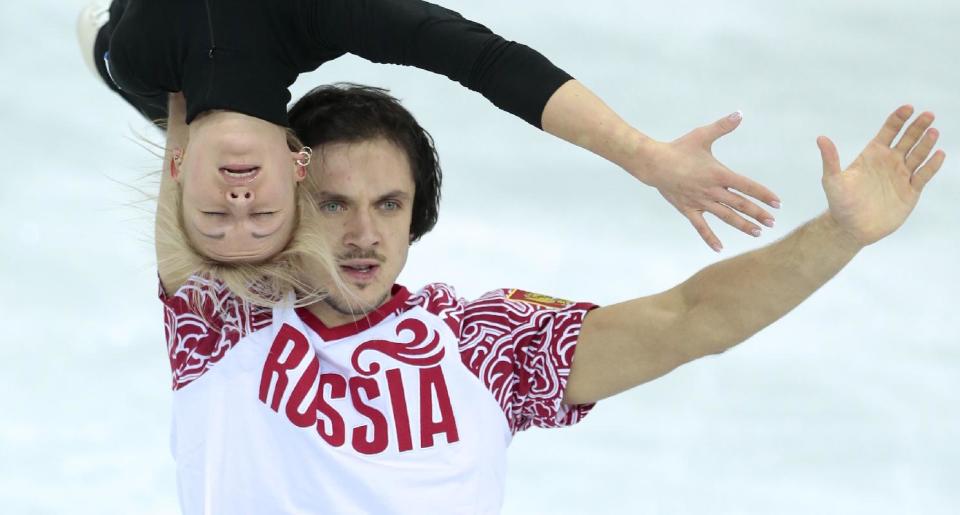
x,y
537,299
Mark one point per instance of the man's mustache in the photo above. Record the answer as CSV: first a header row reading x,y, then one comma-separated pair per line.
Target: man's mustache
x,y
362,254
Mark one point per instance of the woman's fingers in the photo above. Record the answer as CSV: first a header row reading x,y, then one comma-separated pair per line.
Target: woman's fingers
x,y
751,188
719,200
730,217
719,128
738,203
696,218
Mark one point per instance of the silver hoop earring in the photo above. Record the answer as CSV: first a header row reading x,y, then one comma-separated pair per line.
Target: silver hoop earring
x,y
306,154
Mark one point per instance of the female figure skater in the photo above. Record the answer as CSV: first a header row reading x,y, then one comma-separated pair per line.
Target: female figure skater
x,y
234,61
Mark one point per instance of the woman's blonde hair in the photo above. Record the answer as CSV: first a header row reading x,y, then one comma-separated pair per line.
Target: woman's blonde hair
x,y
305,267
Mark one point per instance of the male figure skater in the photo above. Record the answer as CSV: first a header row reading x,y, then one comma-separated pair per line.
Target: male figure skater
x,y
380,400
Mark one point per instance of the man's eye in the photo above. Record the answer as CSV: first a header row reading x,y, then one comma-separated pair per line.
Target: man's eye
x,y
391,205
331,207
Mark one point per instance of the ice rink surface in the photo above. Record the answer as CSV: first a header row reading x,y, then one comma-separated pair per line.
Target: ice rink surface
x,y
850,404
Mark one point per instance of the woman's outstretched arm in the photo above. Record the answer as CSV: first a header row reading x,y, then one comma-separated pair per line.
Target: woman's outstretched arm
x,y
684,170
522,81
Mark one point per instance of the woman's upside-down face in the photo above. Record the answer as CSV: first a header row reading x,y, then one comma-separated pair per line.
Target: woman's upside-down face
x,y
238,180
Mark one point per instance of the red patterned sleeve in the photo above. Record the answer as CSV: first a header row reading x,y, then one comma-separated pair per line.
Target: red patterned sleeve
x,y
202,321
521,346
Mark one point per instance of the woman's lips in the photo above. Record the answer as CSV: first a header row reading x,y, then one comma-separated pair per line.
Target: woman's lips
x,y
239,175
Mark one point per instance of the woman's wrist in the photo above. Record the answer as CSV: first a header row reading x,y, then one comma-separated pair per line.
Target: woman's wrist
x,y
638,155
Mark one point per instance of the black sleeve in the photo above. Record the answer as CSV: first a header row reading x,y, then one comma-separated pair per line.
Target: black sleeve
x,y
514,77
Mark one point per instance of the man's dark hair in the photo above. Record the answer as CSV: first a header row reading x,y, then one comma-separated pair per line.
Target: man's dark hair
x,y
351,113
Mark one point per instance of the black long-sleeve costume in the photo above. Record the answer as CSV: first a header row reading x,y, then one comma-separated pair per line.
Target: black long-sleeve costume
x,y
242,55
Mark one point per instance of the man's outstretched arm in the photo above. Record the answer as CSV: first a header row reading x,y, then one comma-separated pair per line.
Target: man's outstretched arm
x,y
627,344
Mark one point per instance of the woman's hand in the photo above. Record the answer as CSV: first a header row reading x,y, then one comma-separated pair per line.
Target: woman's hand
x,y
684,171
687,174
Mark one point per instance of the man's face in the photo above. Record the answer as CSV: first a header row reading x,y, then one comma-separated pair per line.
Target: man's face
x,y
366,204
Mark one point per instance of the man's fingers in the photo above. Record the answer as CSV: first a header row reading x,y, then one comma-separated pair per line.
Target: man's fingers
x,y
746,207
927,171
829,155
721,127
753,189
913,133
730,217
696,218
919,154
893,125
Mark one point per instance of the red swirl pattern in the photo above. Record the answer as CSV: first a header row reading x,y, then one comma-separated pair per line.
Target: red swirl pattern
x,y
520,351
418,352
202,321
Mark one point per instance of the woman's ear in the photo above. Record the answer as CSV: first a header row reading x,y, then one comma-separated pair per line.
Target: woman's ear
x,y
175,161
299,169
302,158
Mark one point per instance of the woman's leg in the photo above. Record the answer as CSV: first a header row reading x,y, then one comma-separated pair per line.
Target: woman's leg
x,y
94,29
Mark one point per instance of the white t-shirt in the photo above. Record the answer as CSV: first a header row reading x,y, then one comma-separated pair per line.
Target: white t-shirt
x,y
409,410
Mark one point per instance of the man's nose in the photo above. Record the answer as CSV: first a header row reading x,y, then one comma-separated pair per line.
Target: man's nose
x,y
239,196
363,232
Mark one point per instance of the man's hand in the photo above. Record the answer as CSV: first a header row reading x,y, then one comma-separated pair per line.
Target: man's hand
x,y
685,172
873,197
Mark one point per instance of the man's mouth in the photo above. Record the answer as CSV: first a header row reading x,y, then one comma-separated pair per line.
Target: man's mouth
x,y
360,270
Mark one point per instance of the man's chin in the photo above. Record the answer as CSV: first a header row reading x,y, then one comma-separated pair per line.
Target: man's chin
x,y
354,307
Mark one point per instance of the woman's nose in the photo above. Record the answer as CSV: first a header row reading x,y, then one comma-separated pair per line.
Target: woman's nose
x,y
239,196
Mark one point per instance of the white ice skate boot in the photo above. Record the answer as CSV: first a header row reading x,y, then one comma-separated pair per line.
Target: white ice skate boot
x,y
92,17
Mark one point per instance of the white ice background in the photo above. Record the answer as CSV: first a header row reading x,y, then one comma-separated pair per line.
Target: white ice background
x,y
850,404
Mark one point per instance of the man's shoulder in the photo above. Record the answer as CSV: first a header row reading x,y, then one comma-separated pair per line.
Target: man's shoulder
x,y
437,296
433,293
441,300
